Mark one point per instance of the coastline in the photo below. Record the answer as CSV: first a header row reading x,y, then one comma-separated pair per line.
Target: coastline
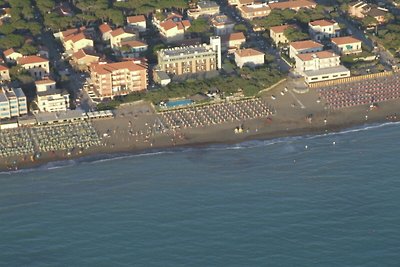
x,y
290,120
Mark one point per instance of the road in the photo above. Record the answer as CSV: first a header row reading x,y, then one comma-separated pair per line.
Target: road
x,y
255,39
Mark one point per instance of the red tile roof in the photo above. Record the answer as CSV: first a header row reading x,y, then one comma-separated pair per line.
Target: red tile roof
x,y
236,36
293,4
117,32
104,28
110,67
305,44
281,28
322,22
31,60
3,68
133,43
136,19
345,40
248,52
8,52
75,37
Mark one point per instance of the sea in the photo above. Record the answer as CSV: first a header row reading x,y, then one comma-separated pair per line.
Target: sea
x,y
318,200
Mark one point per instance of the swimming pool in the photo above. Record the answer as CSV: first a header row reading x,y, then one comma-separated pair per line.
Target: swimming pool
x,y
178,103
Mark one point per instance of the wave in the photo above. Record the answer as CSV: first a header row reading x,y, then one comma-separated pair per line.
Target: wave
x,y
101,158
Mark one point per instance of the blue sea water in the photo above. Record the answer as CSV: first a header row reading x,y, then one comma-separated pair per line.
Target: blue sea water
x,y
300,201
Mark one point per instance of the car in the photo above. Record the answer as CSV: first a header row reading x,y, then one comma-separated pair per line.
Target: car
x,y
285,89
282,93
273,97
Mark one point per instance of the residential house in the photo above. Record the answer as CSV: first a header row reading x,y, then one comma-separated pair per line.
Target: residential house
x,y
105,31
222,25
295,5
323,29
37,66
11,56
137,22
204,8
133,48
249,57
74,42
4,73
346,45
161,78
358,9
119,78
257,10
191,59
379,14
235,41
120,35
173,28
83,58
301,47
45,85
320,66
277,33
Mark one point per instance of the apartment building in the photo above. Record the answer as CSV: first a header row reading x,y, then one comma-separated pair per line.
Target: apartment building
x,y
52,101
83,58
249,57
37,66
191,59
204,8
4,73
222,25
12,103
256,10
346,45
137,22
235,40
295,5
323,29
301,47
277,33
320,66
119,78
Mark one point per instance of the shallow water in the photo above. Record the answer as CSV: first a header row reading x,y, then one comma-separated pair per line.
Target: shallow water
x,y
300,201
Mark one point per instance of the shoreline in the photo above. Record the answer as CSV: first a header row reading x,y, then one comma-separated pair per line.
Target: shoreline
x,y
100,153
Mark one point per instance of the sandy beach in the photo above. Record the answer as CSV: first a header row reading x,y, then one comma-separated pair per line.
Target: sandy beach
x,y
137,127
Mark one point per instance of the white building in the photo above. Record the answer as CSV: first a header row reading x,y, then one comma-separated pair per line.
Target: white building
x,y
45,85
137,22
204,8
346,45
249,57
52,101
323,29
37,66
222,25
301,47
320,66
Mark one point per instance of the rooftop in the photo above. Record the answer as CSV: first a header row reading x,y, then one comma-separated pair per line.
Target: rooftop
x,y
319,55
323,22
45,81
136,19
345,40
293,4
248,52
186,50
236,36
31,59
105,28
207,4
108,68
305,44
281,28
221,20
325,71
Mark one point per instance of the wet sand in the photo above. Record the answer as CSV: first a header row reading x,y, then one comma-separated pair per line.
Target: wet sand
x,y
133,131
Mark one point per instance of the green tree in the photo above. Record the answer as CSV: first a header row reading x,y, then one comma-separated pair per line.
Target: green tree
x,y
199,25
294,34
240,28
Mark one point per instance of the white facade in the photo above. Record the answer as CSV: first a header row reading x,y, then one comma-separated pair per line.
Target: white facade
x,y
250,57
52,101
323,29
12,103
320,66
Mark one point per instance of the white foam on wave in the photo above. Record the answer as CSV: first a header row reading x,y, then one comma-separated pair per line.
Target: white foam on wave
x,y
219,147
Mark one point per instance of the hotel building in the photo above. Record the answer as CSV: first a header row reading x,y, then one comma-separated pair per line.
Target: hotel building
x,y
191,59
119,78
12,103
